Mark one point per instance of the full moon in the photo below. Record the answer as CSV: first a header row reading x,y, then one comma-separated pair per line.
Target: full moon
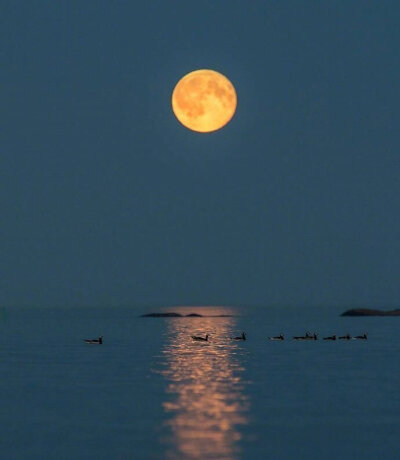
x,y
204,100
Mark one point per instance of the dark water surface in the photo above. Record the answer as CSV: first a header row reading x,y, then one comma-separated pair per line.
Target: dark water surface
x,y
150,392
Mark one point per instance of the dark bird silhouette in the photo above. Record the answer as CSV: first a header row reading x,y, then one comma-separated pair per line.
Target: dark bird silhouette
x,y
98,341
311,337
331,337
299,337
308,336
277,337
240,337
345,337
361,337
200,339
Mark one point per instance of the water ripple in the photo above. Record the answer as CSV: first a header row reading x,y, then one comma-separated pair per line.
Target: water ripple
x,y
205,395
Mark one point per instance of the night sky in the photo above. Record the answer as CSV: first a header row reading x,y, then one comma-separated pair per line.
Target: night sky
x,y
106,199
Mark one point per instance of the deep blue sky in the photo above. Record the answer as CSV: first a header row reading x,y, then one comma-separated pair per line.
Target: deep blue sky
x,y
105,199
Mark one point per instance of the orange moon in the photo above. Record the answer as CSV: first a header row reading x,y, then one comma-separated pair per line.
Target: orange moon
x,y
204,100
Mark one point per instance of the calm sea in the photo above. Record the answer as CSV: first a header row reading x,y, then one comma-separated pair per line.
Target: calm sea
x,y
150,392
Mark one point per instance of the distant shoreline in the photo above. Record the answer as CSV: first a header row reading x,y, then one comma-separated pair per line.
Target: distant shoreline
x,y
179,315
370,312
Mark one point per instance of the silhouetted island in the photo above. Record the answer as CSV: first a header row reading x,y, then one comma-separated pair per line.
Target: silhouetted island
x,y
370,312
178,315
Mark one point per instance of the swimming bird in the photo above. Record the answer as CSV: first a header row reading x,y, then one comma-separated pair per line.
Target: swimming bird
x,y
240,337
200,339
361,337
98,341
345,337
308,336
277,337
311,337
303,337
299,337
331,337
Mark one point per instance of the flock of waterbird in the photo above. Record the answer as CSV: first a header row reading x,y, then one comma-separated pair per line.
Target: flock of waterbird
x,y
307,336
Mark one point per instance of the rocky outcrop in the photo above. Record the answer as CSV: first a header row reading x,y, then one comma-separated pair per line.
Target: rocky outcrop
x,y
370,312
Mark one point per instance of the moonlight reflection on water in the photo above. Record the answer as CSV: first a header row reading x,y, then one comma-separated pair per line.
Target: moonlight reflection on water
x,y
205,393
